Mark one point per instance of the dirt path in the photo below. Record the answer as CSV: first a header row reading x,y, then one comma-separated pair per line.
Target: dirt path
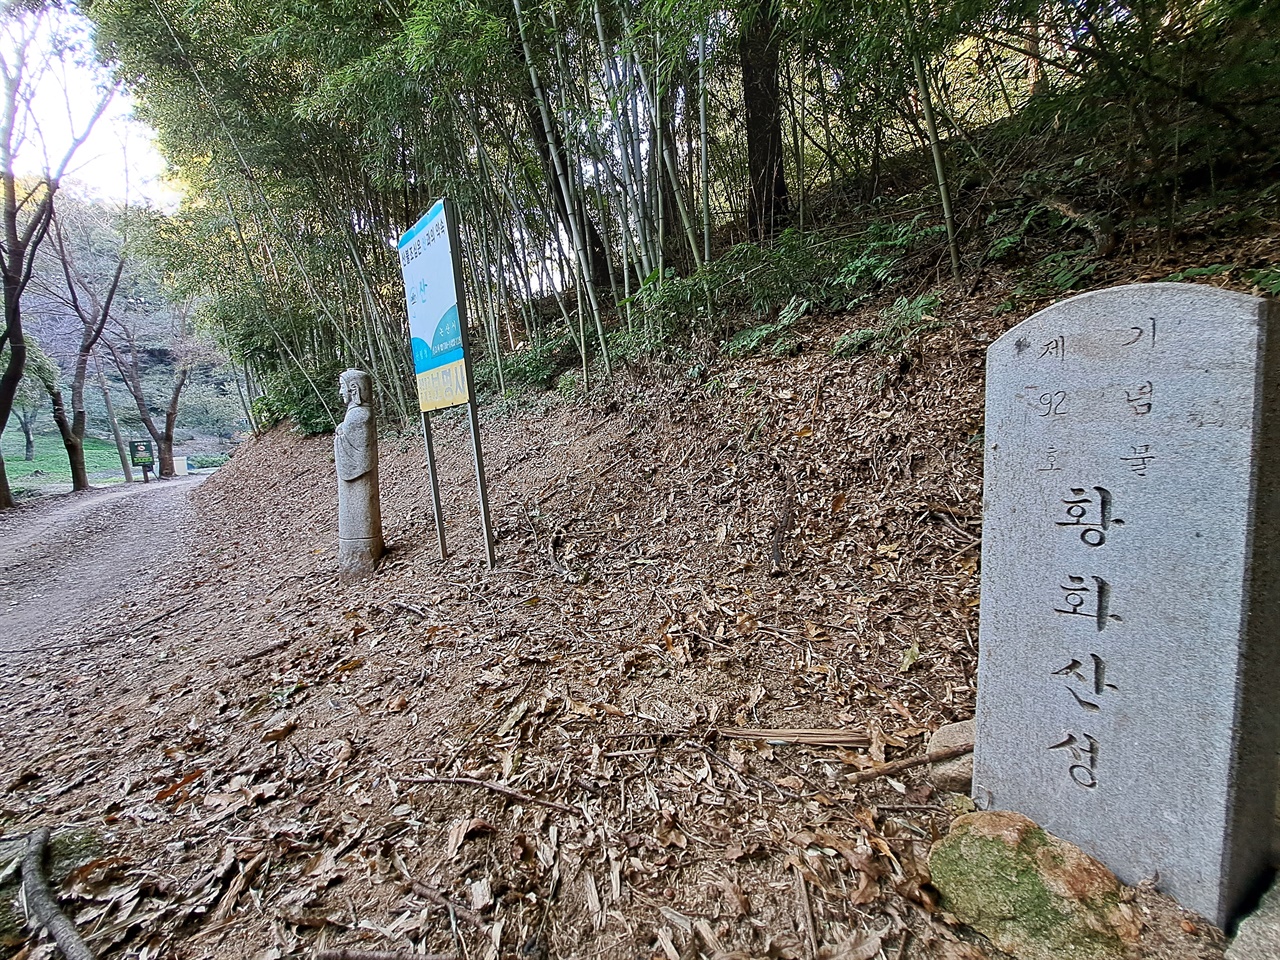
x,y
63,560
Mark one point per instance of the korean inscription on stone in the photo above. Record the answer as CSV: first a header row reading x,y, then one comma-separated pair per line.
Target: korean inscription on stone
x,y
1129,508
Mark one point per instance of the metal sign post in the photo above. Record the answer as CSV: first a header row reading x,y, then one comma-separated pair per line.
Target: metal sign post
x,y
482,488
431,261
435,483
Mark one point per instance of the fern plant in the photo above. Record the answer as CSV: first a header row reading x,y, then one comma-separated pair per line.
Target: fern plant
x,y
901,323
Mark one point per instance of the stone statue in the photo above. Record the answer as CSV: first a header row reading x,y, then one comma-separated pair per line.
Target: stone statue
x,y
355,454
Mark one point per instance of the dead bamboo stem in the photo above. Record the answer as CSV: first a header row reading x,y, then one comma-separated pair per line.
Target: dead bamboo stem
x,y
897,766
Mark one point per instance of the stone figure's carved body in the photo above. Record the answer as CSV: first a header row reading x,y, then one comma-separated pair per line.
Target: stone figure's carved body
x,y
355,454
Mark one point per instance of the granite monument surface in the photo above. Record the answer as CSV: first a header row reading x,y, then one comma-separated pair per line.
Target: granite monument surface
x,y
1129,652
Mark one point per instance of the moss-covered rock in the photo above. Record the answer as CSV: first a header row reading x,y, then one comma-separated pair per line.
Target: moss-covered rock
x,y
11,933
1031,894
67,850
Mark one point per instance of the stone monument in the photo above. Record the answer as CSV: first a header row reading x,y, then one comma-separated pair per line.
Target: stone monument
x,y
355,455
1129,651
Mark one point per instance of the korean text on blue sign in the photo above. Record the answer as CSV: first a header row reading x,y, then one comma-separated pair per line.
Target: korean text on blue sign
x,y
432,298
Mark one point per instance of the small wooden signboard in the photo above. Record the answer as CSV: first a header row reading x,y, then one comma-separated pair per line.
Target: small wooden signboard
x,y
142,453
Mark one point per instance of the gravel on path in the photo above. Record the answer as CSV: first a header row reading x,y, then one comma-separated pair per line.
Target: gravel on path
x,y
66,560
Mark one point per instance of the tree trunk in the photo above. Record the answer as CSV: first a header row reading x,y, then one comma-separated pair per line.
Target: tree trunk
x,y
704,166
13,370
29,440
1035,65
73,440
567,186
133,382
939,166
22,240
165,440
121,449
767,199
662,101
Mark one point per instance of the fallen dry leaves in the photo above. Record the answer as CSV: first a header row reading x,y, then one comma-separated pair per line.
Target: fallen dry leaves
x,y
640,735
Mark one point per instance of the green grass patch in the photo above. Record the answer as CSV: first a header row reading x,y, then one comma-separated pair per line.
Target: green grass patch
x,y
205,461
1266,279
754,294
775,334
50,466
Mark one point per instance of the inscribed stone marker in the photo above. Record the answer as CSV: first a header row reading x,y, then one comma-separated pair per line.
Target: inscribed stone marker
x,y
1129,658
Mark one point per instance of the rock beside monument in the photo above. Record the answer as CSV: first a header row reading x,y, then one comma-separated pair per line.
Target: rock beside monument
x,y
955,775
1031,894
1259,935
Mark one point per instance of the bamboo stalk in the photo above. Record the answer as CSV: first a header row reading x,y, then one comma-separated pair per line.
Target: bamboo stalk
x,y
944,192
562,177
702,142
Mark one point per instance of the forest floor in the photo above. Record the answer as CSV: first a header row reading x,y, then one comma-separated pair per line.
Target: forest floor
x,y
265,762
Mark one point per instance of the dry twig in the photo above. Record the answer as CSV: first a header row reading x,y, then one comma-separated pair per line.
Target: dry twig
x,y
740,775
11,868
263,651
806,912
440,900
345,953
163,616
782,526
496,788
814,736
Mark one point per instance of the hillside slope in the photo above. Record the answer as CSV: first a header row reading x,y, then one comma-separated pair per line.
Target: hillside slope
x,y
274,757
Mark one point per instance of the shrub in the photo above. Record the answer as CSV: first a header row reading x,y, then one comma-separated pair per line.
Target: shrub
x,y
798,274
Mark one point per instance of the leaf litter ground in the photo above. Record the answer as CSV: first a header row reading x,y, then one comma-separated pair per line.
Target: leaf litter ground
x,y
546,759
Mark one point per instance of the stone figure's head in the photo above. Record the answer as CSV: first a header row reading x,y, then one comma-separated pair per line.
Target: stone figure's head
x,y
355,387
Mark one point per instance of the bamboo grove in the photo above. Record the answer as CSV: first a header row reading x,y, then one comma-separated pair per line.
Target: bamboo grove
x,y
598,150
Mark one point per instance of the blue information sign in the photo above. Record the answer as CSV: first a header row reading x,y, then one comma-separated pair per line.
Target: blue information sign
x,y
431,294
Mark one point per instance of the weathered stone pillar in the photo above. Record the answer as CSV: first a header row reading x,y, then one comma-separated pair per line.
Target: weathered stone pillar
x,y
355,454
